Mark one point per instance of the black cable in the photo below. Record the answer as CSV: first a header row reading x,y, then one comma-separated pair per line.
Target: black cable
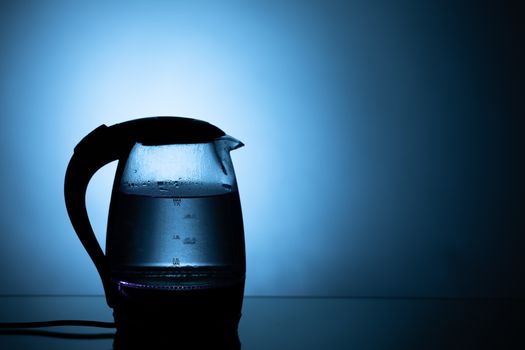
x,y
57,323
52,334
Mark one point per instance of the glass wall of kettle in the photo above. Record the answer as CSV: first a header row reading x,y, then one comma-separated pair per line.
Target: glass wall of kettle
x,y
383,153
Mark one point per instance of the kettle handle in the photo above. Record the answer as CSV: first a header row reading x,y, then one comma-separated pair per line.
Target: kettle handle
x,y
95,150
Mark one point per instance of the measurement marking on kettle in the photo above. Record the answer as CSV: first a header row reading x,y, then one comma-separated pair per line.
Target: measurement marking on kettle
x,y
189,240
176,201
175,237
175,262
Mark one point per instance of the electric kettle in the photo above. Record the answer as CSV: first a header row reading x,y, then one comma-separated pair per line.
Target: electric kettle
x,y
175,241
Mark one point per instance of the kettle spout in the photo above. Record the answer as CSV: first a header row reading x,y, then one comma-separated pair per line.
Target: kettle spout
x,y
223,146
230,143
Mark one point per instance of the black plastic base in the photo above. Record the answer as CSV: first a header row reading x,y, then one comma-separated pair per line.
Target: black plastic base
x,y
199,318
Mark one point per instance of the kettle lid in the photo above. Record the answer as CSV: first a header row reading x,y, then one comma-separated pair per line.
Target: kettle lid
x,y
168,130
152,131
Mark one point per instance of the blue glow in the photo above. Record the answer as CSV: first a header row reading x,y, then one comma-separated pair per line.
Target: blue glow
x,y
378,159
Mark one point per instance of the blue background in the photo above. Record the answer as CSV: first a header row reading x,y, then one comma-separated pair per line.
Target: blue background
x,y
384,141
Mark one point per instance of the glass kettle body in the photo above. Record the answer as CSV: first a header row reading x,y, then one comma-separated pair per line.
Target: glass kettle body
x,y
175,220
175,239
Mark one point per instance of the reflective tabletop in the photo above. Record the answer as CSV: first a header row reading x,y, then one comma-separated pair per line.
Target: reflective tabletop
x,y
296,323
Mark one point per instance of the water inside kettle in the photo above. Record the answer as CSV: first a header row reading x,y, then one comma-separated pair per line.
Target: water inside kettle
x,y
176,235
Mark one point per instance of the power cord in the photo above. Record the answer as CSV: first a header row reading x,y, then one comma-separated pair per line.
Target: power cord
x,y
28,328
57,323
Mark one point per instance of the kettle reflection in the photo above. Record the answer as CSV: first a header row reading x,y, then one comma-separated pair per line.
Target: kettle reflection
x,y
224,338
175,254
